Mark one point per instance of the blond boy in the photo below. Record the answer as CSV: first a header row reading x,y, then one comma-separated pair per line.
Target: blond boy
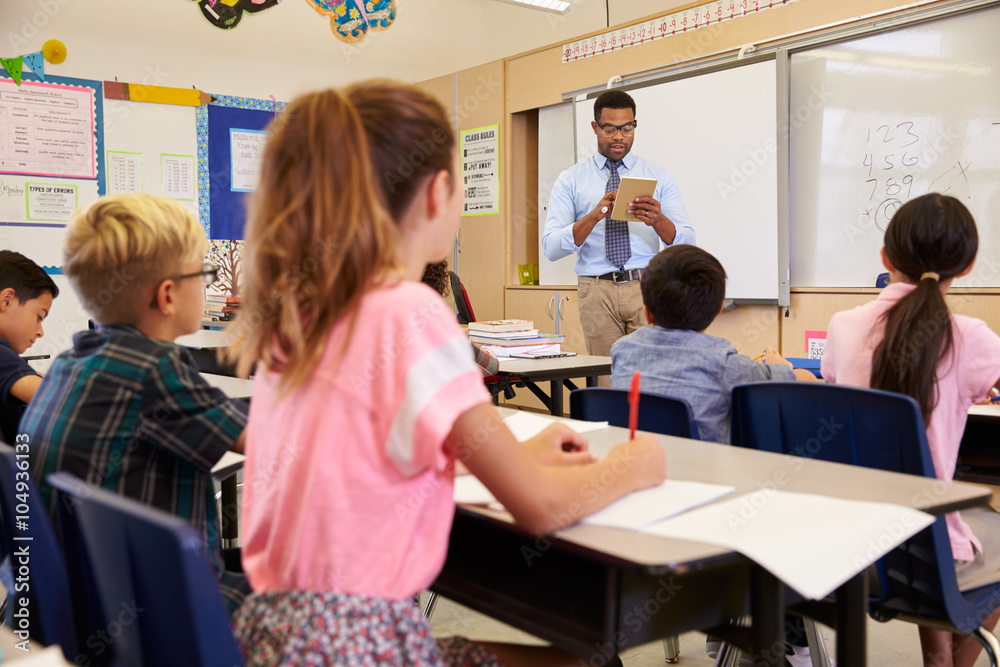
x,y
126,409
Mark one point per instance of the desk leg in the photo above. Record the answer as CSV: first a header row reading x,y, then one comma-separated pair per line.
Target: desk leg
x,y
852,616
556,396
591,380
767,605
230,513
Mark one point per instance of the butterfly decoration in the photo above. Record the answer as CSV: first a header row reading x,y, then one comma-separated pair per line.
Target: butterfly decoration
x,y
227,14
350,20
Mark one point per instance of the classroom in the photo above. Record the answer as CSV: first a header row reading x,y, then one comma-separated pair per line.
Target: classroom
x,y
793,130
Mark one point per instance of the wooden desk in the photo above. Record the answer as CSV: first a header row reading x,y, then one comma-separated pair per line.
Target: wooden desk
x,y
225,470
233,387
204,345
595,591
205,338
979,454
557,372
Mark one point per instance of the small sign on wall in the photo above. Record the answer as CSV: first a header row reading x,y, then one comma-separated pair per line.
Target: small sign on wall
x,y
815,344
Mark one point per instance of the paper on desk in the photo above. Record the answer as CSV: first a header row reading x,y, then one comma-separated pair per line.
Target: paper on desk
x,y
229,458
51,656
811,543
526,425
641,508
470,491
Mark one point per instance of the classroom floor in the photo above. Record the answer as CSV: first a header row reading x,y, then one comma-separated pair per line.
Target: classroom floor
x,y
894,643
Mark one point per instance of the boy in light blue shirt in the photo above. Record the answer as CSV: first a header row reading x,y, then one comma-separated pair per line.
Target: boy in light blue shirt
x,y
683,290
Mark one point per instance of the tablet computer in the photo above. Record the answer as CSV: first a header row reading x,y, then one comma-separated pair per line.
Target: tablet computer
x,y
630,188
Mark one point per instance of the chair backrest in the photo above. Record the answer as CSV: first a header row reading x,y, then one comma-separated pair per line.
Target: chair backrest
x,y
865,427
154,579
657,414
462,304
873,429
37,560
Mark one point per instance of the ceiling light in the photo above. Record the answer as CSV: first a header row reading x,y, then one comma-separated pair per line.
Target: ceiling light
x,y
555,6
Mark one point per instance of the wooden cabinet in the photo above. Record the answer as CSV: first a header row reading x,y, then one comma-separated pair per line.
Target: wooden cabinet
x,y
553,310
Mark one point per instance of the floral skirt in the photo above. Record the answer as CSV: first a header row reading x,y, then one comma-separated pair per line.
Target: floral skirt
x,y
312,629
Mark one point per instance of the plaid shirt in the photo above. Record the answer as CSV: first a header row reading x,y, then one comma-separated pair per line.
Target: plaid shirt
x,y
132,415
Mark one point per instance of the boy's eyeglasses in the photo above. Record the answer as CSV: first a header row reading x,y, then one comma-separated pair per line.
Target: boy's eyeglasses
x,y
609,130
209,274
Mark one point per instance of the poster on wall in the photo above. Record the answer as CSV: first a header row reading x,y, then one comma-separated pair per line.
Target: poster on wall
x,y
124,172
50,135
230,130
177,176
480,170
247,150
47,129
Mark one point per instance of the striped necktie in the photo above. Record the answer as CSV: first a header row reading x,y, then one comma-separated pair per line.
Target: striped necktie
x,y
616,241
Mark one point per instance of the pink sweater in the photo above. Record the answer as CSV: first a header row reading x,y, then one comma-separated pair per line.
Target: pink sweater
x,y
963,378
348,483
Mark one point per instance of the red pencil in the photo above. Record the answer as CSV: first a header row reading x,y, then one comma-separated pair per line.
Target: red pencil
x,y
633,405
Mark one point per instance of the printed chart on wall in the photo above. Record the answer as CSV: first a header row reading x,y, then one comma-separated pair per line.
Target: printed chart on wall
x,y
480,170
50,148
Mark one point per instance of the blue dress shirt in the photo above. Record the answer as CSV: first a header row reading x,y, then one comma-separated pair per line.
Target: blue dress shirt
x,y
576,193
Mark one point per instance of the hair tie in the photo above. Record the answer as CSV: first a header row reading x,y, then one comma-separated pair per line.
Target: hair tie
x,y
930,274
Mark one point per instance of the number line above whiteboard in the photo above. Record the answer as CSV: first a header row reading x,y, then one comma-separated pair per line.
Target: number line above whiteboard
x,y
688,20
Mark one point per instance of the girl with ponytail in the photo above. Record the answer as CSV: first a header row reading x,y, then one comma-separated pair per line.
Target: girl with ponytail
x,y
907,341
365,394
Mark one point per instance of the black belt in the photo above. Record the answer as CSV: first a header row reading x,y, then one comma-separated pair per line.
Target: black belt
x,y
622,276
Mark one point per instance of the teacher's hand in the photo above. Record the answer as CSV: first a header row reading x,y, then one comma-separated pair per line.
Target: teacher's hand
x,y
647,210
603,208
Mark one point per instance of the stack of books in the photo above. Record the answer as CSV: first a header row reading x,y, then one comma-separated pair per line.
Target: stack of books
x,y
506,337
221,307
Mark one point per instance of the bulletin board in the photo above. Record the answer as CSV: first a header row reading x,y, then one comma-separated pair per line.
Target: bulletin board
x,y
230,138
51,162
177,151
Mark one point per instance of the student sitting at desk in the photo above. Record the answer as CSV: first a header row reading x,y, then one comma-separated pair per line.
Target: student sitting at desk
x,y
438,276
908,341
683,291
366,394
125,408
26,294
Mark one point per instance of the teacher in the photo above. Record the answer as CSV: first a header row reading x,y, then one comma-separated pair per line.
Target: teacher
x,y
612,254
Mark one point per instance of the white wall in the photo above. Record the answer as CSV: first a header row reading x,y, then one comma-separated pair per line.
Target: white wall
x,y
289,48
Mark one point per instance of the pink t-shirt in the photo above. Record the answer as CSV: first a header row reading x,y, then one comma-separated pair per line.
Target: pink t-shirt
x,y
348,486
963,378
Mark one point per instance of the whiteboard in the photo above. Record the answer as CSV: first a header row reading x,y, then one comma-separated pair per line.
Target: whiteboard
x,y
556,153
878,120
717,135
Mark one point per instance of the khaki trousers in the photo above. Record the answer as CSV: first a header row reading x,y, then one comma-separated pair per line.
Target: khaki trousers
x,y
608,311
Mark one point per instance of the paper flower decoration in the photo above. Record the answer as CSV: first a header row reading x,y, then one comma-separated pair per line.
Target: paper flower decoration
x,y
54,51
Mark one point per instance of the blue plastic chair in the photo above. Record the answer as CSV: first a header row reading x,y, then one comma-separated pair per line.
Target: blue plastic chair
x,y
154,579
50,608
874,429
657,413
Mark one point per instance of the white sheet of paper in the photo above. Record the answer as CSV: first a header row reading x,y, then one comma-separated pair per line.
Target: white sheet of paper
x,y
641,508
470,491
811,543
526,425
229,458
